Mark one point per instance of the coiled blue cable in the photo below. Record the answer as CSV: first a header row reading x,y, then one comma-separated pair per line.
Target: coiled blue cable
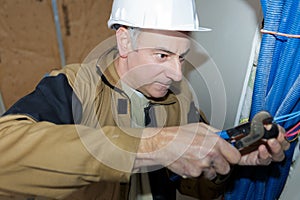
x,y
284,68
271,22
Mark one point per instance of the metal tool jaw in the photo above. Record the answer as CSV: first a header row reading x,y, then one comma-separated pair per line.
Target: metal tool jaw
x,y
248,136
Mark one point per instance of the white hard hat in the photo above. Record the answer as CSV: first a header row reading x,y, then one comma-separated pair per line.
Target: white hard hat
x,y
177,15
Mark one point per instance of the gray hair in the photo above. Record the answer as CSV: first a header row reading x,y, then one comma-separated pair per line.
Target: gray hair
x,y
134,33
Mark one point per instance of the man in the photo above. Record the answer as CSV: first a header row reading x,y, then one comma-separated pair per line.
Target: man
x,y
105,129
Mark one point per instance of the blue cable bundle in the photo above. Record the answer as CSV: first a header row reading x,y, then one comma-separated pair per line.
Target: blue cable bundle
x,y
276,90
272,14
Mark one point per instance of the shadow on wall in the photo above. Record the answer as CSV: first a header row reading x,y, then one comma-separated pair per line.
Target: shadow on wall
x,y
256,7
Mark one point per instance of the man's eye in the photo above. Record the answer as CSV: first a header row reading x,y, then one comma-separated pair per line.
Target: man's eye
x,y
161,56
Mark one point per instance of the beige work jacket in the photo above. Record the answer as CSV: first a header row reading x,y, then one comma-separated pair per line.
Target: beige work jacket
x,y
90,159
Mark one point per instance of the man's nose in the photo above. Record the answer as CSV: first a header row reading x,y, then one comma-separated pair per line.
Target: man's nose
x,y
174,71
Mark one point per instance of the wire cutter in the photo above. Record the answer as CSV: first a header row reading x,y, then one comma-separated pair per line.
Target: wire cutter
x,y
248,136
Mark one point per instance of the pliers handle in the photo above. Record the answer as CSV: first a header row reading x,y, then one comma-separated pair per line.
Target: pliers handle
x,y
248,136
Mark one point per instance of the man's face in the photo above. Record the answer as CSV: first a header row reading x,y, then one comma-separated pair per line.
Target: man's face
x,y
156,61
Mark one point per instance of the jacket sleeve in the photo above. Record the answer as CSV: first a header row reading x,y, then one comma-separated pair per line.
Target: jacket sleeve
x,y
43,153
43,158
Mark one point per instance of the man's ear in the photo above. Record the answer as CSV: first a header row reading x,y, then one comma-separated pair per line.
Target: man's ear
x,y
123,41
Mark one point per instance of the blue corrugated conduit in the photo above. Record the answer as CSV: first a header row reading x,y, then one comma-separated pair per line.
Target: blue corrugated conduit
x,y
277,90
285,71
271,22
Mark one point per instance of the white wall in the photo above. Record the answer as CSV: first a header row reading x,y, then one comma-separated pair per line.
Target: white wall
x,y
221,69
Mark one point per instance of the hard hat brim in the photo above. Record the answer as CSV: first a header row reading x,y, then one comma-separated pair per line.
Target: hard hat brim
x,y
111,24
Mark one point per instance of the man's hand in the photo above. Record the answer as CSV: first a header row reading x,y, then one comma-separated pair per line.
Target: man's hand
x,y
188,150
264,155
193,149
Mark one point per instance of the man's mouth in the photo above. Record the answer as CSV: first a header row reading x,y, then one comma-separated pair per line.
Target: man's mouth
x,y
163,85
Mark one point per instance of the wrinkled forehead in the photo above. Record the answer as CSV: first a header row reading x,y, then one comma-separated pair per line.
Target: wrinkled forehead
x,y
174,41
